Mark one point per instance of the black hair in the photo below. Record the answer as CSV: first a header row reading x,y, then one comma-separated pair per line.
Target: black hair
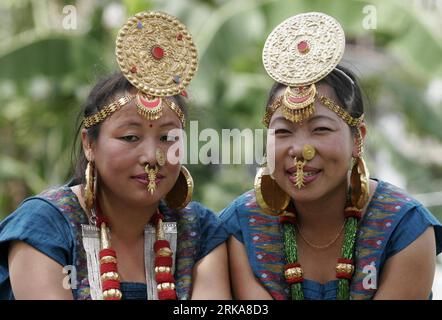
x,y
102,94
348,92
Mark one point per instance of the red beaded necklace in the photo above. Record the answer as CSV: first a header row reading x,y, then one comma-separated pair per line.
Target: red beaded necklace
x,y
110,278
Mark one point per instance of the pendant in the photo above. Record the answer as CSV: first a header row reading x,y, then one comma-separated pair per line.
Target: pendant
x,y
151,176
149,108
299,174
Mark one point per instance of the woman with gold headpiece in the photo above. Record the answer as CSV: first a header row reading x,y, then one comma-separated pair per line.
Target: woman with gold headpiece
x,y
124,227
316,226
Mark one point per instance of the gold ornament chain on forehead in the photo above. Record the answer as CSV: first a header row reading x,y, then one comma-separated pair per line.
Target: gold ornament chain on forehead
x,y
344,115
106,111
117,105
327,102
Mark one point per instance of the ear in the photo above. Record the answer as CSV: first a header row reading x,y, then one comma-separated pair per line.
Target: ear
x,y
88,145
363,130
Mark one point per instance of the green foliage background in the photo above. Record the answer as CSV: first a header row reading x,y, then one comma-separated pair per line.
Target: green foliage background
x,y
46,72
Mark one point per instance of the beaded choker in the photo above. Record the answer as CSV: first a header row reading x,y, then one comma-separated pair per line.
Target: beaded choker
x,y
110,278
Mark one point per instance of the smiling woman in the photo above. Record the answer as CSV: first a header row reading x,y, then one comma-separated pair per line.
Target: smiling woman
x,y
316,226
124,226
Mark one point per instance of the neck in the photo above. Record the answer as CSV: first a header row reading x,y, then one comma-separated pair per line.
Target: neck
x,y
323,214
125,222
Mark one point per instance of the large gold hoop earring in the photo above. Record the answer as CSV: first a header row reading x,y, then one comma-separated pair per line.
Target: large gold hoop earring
x,y
89,186
360,183
181,193
269,195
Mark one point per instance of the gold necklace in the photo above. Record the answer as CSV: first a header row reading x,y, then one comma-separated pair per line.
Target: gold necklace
x,y
321,246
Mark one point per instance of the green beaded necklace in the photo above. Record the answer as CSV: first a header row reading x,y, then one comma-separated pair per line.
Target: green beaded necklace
x,y
352,215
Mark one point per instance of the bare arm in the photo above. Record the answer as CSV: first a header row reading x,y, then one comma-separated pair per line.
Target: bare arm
x,y
211,276
244,283
35,276
409,274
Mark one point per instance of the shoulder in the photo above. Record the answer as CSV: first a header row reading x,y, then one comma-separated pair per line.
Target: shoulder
x,y
195,210
237,216
240,205
396,200
35,214
203,225
393,203
40,223
388,193
403,217
34,209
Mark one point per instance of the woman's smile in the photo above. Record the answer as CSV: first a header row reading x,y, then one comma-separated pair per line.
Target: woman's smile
x,y
310,174
143,178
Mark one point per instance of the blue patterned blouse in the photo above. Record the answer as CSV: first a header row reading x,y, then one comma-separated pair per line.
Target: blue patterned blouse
x,y
393,220
51,223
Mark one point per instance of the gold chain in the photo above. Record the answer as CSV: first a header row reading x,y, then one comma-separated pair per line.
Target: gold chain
x,y
177,110
116,105
344,115
106,111
271,110
321,246
360,142
352,122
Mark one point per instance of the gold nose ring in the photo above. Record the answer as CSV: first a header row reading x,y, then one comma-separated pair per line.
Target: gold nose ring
x,y
160,157
308,152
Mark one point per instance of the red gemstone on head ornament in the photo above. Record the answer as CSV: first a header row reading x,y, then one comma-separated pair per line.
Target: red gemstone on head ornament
x,y
179,37
157,52
303,47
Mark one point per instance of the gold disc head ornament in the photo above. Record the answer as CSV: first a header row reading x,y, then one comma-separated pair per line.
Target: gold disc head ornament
x,y
156,54
298,53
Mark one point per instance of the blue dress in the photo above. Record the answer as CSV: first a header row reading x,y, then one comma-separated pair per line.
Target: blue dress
x,y
51,223
393,220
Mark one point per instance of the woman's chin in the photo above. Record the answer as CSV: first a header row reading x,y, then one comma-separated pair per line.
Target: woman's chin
x,y
146,197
